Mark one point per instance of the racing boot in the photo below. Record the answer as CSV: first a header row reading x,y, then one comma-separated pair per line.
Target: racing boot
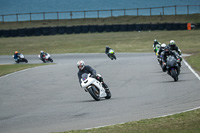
x,y
106,87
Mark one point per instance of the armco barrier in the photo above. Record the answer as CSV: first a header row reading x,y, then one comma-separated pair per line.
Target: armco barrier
x,y
93,28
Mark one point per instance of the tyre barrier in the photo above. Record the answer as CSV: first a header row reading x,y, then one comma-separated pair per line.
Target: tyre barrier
x,y
70,30
77,29
154,26
22,32
115,28
162,27
61,30
29,32
123,28
0,33
46,31
108,28
85,29
37,31
53,31
131,27
14,33
100,28
146,27
92,28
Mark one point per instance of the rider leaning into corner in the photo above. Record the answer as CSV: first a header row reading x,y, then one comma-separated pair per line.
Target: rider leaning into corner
x,y
16,55
88,69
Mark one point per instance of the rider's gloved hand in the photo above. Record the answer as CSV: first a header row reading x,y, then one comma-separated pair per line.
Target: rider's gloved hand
x,y
93,76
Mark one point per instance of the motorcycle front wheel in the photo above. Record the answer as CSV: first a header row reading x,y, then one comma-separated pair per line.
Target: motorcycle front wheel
x,y
94,92
108,94
174,74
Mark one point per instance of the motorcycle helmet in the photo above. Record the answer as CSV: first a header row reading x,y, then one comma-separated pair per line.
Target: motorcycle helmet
x,y
81,64
111,51
172,43
155,40
167,49
163,45
41,52
16,52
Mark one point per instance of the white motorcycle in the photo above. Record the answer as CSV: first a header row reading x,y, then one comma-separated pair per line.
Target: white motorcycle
x,y
94,87
20,58
46,58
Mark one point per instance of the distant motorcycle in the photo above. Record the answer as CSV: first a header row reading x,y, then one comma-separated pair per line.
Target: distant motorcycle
x,y
20,58
172,67
46,58
94,87
111,54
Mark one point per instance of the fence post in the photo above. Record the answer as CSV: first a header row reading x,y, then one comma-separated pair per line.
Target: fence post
x,y
97,13
137,11
163,10
71,14
150,11
43,15
124,12
17,17
3,18
111,12
175,9
57,15
187,9
84,14
30,17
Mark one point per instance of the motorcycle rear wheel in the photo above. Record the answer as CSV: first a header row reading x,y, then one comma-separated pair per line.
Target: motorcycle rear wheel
x,y
94,92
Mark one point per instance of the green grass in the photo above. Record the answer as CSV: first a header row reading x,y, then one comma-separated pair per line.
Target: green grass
x,y
6,69
194,61
188,122
188,41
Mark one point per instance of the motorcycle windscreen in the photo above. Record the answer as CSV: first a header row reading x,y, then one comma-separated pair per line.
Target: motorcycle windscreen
x,y
171,61
84,76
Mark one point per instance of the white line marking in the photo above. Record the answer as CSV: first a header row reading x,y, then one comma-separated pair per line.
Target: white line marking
x,y
191,69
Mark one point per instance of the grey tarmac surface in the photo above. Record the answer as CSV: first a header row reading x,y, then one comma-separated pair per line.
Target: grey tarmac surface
x,y
49,98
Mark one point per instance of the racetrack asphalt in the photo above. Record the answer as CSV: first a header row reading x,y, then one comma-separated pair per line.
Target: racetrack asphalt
x,y
49,98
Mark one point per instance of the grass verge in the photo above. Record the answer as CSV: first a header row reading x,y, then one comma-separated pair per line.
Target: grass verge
x,y
7,69
188,122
